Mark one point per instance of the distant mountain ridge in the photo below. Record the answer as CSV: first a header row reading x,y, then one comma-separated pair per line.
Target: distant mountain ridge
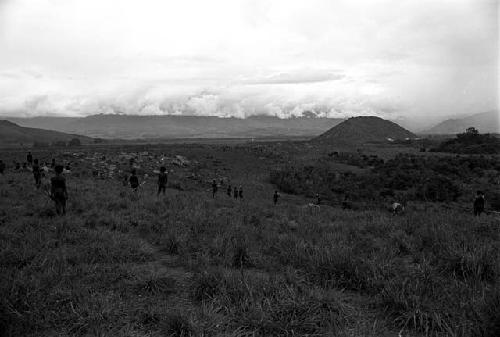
x,y
365,129
171,126
13,134
484,122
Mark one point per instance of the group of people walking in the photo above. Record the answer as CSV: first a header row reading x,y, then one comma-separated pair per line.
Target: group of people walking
x,y
59,194
235,192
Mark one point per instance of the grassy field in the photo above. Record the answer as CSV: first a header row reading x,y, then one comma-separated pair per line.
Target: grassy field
x,y
131,264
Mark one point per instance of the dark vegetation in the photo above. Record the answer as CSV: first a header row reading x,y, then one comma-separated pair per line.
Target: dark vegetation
x,y
404,177
471,142
125,264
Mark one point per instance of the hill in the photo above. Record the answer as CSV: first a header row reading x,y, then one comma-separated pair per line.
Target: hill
x,y
137,127
485,122
13,134
365,129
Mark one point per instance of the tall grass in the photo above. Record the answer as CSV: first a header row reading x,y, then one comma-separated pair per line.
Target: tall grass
x,y
254,268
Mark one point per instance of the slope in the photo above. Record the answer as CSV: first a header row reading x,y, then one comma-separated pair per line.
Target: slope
x,y
365,129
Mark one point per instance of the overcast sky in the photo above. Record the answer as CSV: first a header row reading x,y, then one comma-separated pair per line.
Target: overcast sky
x,y
413,59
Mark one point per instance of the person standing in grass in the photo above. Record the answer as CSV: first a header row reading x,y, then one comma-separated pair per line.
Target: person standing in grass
x,y
479,203
134,181
240,192
58,191
229,190
29,158
235,192
276,196
214,188
162,180
37,174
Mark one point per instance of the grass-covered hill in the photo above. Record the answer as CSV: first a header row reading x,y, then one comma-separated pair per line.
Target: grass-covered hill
x,y
365,129
13,134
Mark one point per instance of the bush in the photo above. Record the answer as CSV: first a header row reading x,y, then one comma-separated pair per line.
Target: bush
x,y
74,142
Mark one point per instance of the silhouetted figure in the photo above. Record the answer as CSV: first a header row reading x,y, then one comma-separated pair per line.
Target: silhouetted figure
x,y
346,204
162,180
276,196
214,188
318,199
229,190
397,208
240,193
479,203
2,167
235,192
53,163
134,181
37,174
29,158
58,191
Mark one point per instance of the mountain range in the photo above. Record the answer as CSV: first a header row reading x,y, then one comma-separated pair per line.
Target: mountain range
x,y
131,127
169,126
485,122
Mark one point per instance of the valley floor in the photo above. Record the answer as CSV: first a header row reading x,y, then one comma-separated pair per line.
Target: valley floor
x,y
132,264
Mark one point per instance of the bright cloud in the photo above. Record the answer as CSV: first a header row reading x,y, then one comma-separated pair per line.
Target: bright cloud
x,y
419,60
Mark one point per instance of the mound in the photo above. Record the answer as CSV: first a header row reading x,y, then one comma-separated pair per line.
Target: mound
x,y
366,129
13,134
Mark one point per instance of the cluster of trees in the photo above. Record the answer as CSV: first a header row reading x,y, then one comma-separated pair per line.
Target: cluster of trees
x,y
58,143
425,178
471,142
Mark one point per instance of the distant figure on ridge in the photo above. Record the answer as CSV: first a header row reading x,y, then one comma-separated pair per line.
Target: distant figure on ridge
x,y
37,174
58,191
240,192
229,190
276,196
235,192
162,180
134,181
29,158
318,199
214,188
479,203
